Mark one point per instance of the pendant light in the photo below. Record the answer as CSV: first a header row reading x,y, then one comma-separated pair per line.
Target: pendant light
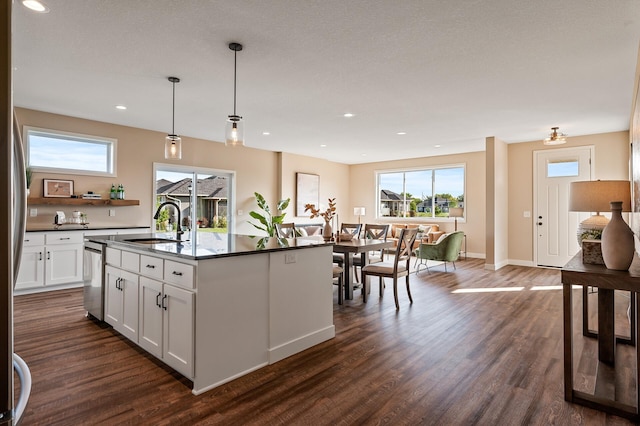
x,y
555,138
173,142
234,131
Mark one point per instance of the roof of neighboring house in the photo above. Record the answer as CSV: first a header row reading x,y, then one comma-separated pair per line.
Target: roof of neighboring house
x,y
387,195
211,187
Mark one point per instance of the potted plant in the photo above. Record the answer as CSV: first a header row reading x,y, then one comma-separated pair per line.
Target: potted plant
x,y
327,215
267,220
28,175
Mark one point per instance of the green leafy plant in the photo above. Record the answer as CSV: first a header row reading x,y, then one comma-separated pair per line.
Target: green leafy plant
x,y
29,175
268,220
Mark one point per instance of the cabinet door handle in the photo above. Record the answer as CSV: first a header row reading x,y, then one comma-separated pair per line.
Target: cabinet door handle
x,y
163,299
65,238
40,255
158,300
151,266
177,273
119,284
48,255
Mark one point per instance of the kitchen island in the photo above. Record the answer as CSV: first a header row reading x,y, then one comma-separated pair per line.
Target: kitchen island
x,y
219,306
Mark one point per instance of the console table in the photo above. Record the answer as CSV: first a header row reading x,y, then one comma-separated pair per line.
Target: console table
x,y
607,281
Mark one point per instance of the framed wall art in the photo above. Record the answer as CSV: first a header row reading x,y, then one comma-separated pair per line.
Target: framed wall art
x,y
307,192
56,188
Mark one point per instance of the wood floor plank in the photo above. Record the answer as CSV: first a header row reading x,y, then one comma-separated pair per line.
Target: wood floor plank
x,y
487,358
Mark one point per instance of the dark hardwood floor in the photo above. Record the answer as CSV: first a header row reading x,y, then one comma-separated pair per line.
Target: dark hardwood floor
x,y
488,358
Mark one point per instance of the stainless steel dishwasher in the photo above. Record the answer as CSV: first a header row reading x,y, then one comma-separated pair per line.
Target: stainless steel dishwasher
x,y
93,275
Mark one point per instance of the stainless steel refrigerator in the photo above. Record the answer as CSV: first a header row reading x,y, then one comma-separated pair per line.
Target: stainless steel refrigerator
x,y
12,225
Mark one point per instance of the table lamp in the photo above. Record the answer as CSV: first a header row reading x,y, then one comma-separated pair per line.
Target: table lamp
x,y
456,212
358,211
599,196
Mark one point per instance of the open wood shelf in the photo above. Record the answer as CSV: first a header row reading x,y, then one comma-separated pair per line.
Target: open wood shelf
x,y
80,202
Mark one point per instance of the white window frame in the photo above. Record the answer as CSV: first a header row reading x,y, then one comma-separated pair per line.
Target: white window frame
x,y
111,143
418,219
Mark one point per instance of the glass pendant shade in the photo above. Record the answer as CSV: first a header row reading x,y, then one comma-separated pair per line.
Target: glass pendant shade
x,y
234,131
173,147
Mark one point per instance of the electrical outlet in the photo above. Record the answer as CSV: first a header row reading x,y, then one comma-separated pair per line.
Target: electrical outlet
x,y
290,258
527,214
33,212
240,212
112,212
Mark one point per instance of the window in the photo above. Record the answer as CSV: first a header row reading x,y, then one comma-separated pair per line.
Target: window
x,y
424,193
61,152
203,196
563,168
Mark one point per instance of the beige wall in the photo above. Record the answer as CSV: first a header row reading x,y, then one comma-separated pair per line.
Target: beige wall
x,y
363,193
497,204
256,170
611,162
334,183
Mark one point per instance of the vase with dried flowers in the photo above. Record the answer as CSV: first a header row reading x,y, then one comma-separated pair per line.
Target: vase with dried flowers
x,y
327,215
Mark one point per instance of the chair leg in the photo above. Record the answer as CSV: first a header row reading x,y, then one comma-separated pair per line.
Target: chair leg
x,y
409,290
395,292
381,285
364,287
454,265
445,266
340,289
355,273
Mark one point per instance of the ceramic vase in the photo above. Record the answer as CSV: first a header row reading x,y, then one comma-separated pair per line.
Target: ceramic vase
x,y
617,241
327,232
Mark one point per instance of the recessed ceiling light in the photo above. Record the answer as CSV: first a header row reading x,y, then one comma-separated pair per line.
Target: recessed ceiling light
x,y
266,133
437,146
121,107
36,5
364,155
348,115
402,133
323,146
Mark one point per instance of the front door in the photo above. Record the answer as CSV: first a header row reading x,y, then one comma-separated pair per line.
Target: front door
x,y
555,228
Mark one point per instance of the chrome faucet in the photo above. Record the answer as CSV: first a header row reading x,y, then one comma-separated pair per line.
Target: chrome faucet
x,y
179,230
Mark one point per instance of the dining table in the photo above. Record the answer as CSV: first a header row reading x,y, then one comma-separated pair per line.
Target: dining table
x,y
357,246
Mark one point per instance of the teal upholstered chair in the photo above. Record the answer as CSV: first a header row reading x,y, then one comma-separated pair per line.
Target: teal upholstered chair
x,y
447,249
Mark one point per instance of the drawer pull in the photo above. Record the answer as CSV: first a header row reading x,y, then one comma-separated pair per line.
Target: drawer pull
x,y
26,241
151,266
177,273
65,238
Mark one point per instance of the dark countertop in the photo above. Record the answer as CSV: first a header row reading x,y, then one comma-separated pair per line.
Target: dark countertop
x,y
76,227
208,245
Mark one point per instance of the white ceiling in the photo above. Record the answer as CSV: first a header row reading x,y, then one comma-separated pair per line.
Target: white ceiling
x,y
447,73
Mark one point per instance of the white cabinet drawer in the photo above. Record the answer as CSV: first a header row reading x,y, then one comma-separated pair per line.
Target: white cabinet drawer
x,y
113,257
130,261
33,240
64,238
179,274
151,266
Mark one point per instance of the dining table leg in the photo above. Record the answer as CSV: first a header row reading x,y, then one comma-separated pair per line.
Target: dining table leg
x,y
348,276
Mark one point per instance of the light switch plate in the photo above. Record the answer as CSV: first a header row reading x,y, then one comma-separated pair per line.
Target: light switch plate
x,y
33,212
527,214
112,212
290,258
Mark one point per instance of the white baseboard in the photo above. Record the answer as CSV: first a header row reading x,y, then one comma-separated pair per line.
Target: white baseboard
x,y
298,345
519,262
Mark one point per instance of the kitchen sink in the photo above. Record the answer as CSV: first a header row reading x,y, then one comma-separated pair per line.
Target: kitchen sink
x,y
153,240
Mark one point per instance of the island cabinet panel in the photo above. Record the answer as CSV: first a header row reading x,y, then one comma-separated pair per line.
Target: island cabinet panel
x,y
121,301
166,324
232,318
300,301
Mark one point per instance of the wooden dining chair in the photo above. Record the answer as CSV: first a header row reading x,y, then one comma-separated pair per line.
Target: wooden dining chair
x,y
338,273
399,267
286,230
347,228
373,232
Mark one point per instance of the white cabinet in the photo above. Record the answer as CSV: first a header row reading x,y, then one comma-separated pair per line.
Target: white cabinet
x,y
50,259
166,324
121,301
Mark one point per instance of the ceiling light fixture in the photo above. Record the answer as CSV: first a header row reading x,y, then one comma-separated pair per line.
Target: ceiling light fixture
x,y
401,133
122,107
555,137
234,134
348,115
266,133
36,5
173,142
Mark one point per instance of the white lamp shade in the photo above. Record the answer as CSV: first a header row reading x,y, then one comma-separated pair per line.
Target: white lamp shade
x,y
234,131
596,195
173,147
456,212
